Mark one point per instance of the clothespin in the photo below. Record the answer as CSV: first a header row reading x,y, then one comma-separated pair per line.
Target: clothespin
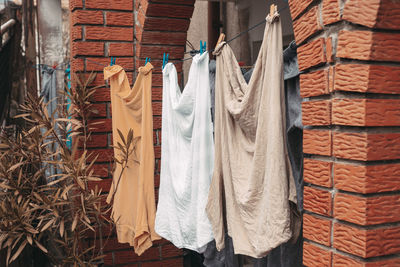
x,y
113,60
203,47
220,39
165,60
272,10
147,61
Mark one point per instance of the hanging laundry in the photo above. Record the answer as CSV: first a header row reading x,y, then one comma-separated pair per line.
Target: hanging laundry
x,y
133,192
288,254
49,94
187,154
252,184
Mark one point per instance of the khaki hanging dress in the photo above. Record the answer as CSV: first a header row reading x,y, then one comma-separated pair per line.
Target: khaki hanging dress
x,y
252,182
134,203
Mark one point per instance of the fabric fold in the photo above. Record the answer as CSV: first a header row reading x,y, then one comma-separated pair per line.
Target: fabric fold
x,y
187,154
132,193
252,183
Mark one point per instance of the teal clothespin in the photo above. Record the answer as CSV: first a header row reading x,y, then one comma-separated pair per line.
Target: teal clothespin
x,y
113,60
203,47
147,61
165,60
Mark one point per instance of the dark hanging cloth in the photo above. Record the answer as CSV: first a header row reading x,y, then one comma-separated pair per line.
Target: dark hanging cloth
x,y
288,254
49,94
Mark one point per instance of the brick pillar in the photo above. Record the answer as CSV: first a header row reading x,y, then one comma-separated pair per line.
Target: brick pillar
x,y
349,55
129,30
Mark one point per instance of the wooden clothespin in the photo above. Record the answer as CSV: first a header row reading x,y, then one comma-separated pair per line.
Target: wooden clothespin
x,y
272,10
220,39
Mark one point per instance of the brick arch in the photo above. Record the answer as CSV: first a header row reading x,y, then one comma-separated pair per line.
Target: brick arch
x,y
129,30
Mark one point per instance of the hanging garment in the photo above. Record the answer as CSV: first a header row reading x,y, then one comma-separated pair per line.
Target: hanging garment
x,y
288,254
133,192
187,154
252,181
49,94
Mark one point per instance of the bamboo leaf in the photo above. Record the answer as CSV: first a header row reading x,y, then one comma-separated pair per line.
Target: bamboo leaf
x,y
74,223
121,136
62,227
42,248
19,250
29,239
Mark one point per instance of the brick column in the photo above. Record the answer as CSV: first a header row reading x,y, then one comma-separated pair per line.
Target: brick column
x,y
129,30
350,59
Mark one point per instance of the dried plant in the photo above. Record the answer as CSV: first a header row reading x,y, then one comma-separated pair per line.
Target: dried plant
x,y
56,213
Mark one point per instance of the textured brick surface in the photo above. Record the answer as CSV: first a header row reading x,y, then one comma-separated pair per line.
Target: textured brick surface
x,y
175,11
317,142
366,243
87,17
330,11
318,201
87,49
316,112
306,25
166,24
329,50
344,261
298,6
317,172
119,18
367,78
76,33
314,256
110,4
314,83
120,49
367,179
366,45
311,54
362,146
108,33
366,112
317,229
367,210
373,13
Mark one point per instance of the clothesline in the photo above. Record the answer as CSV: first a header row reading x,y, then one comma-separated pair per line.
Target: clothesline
x,y
237,36
210,50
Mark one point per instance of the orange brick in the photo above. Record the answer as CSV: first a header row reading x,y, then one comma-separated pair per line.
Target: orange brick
x,y
317,142
373,14
330,11
367,210
367,78
366,147
87,17
109,33
344,261
107,4
306,25
314,256
298,6
367,179
366,45
318,201
311,54
317,229
314,83
119,18
317,172
316,112
366,112
366,243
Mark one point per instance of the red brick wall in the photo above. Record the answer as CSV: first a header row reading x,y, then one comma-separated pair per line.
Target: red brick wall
x,y
349,53
129,30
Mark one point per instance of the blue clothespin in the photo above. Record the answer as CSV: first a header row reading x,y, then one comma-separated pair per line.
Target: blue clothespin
x,y
203,47
147,61
165,60
113,60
